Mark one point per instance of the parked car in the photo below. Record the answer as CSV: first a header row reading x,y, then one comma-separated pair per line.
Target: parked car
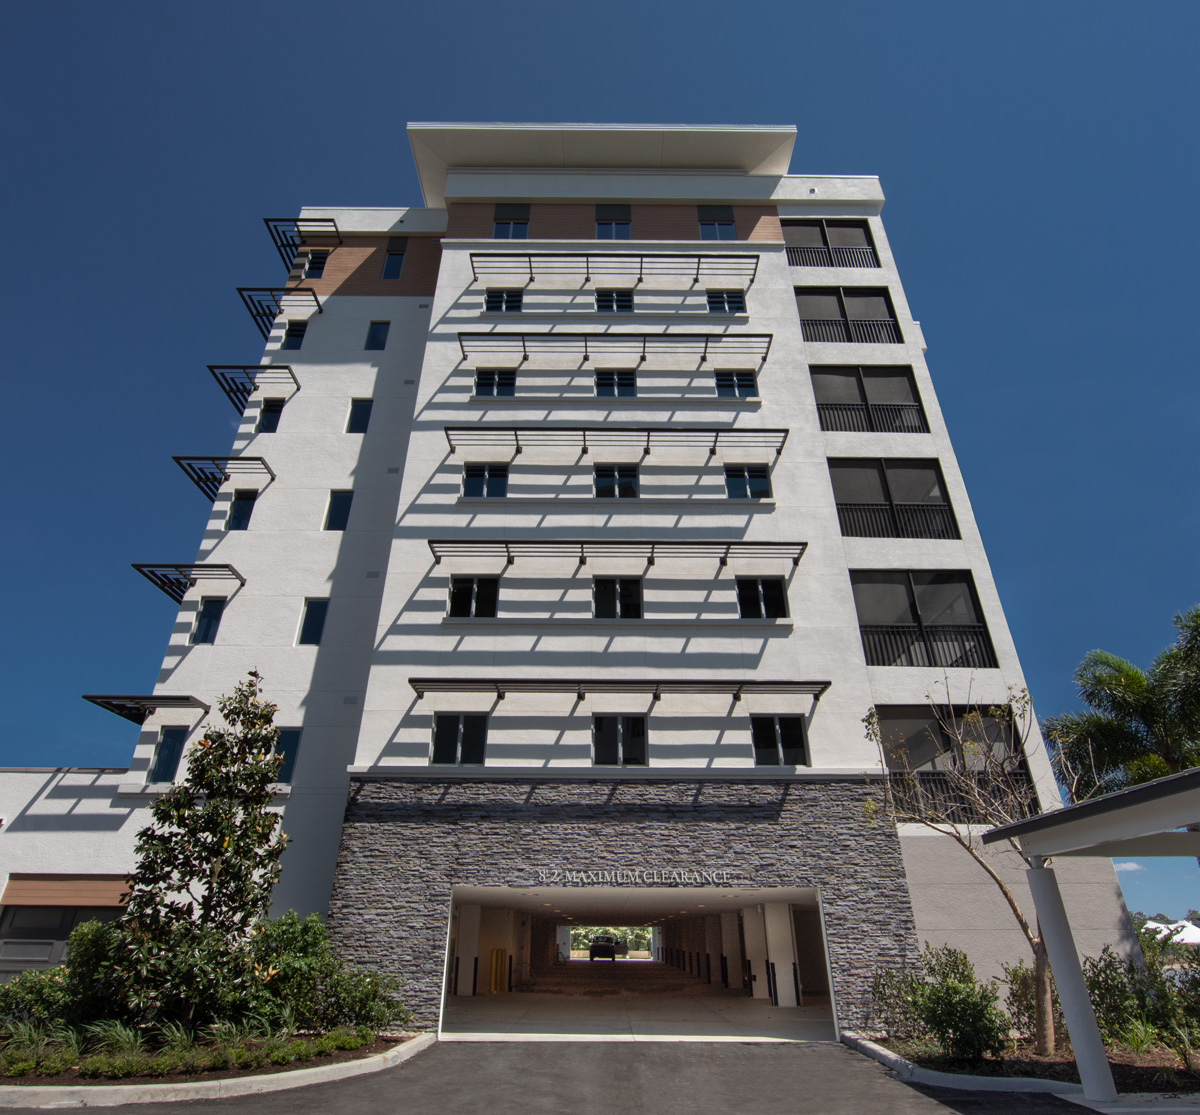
x,y
603,948
622,947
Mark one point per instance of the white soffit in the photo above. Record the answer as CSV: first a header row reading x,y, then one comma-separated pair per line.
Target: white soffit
x,y
744,149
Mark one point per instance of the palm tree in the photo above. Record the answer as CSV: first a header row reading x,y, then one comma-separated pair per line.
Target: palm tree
x,y
1138,725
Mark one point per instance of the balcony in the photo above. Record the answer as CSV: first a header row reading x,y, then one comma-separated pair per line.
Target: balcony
x,y
932,793
879,418
900,520
942,645
861,331
832,257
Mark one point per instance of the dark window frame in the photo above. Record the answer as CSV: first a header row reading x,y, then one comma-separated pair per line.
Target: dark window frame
x,y
318,257
734,381
490,595
780,751
359,414
767,602
748,474
393,258
377,336
288,745
627,739
611,300
499,382
621,475
835,255
726,301
313,618
621,381
866,416
208,620
503,300
510,221
166,750
337,510
492,474
269,414
293,335
464,723
853,330
241,509
622,598
903,520
717,222
614,222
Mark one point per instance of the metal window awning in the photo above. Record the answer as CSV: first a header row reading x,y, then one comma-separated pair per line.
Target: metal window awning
x,y
175,580
581,687
138,708
584,549
727,269
209,473
625,346
266,303
290,233
239,381
643,439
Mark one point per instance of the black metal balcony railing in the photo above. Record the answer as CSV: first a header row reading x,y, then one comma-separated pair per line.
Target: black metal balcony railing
x,y
832,257
880,418
933,794
863,331
899,520
942,645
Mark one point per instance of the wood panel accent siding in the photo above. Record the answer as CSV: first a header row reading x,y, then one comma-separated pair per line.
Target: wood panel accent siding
x,y
757,222
355,267
470,220
24,889
562,222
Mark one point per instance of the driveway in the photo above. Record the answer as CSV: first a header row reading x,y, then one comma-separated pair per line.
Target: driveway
x,y
582,1078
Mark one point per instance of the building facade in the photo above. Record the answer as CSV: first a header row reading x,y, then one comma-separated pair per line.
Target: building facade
x,y
575,521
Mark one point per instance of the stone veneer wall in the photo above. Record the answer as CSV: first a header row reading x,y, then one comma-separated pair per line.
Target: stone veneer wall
x,y
405,843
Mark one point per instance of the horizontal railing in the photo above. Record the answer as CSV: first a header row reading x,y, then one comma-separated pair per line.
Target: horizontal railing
x,y
900,520
863,331
866,520
862,418
832,257
941,645
934,794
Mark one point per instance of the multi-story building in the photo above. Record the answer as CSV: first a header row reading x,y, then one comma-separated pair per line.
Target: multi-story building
x,y
575,521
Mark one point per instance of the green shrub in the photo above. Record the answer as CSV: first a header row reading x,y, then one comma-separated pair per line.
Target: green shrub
x,y
54,1062
163,1063
964,1017
1021,1001
1122,989
18,1066
895,997
35,996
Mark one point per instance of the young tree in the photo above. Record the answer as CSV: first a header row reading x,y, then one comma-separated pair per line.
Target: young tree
x,y
981,782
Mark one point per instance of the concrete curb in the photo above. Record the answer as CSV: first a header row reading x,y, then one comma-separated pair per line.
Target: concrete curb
x,y
906,1070
104,1095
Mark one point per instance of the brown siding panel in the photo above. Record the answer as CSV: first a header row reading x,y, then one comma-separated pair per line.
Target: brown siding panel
x,y
64,890
665,222
470,220
355,268
562,222
757,222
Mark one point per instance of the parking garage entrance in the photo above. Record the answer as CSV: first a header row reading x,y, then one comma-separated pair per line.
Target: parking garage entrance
x,y
723,963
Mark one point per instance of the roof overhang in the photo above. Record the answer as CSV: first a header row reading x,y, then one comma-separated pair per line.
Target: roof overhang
x,y
741,149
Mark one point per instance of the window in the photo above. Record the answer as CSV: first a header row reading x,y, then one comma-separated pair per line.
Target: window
x,y
474,597
377,335
208,619
614,301
268,416
617,597
726,301
616,481
613,222
167,754
315,267
716,222
863,315
287,746
459,737
511,222
338,513
485,481
619,741
747,482
873,399
920,618
761,598
393,258
820,243
779,741
360,416
616,385
503,301
293,336
240,509
737,385
898,498
312,626
495,383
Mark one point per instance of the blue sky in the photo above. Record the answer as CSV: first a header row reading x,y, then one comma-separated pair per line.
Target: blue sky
x,y
1039,161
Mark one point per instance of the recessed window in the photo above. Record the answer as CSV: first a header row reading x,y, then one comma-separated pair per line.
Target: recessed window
x,y
820,243
288,746
737,385
619,741
315,267
338,514
503,301
861,315
377,335
393,259
616,384
616,481
868,400
761,598
312,626
208,619
269,415
360,416
167,754
716,222
474,597
511,222
293,335
779,741
495,383
485,481
614,301
617,597
459,738
726,301
896,498
241,507
747,482
613,222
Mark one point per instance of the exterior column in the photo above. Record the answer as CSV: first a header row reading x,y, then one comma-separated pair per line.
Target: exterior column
x,y
756,951
712,949
467,950
656,944
1090,1058
562,942
731,947
781,951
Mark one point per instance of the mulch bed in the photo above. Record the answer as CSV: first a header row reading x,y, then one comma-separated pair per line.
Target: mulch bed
x,y
1155,1070
338,1056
